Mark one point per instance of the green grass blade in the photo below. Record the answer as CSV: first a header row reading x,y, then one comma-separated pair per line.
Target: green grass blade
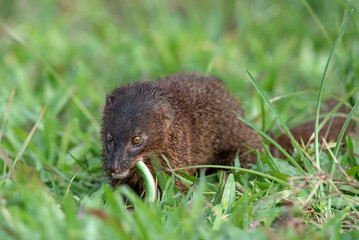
x,y
243,170
271,140
12,94
284,126
317,21
229,195
316,129
31,134
345,125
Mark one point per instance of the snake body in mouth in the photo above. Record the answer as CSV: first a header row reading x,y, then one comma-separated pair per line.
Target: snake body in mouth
x,y
149,182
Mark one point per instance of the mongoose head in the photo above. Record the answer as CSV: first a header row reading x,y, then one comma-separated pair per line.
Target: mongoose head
x,y
135,121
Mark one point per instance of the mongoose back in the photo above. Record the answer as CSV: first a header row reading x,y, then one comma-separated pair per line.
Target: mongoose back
x,y
305,131
189,119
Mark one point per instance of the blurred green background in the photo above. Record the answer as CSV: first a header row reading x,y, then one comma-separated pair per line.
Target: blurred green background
x,y
67,55
64,56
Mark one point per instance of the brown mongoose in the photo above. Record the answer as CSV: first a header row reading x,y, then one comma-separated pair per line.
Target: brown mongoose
x,y
188,118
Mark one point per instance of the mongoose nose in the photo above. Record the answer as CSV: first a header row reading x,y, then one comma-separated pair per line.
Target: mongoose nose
x,y
113,167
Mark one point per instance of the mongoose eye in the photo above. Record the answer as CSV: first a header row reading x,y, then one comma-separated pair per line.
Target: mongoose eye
x,y
137,140
109,137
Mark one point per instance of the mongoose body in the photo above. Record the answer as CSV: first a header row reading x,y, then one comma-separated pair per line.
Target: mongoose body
x,y
189,119
304,133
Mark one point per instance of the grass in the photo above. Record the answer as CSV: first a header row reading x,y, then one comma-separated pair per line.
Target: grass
x,y
59,59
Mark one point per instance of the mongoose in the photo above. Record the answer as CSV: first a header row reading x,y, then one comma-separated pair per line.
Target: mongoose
x,y
188,118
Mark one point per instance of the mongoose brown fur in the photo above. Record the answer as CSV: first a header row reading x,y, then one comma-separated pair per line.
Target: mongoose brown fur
x,y
188,118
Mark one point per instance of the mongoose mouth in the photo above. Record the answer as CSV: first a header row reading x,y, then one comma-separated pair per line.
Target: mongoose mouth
x,y
120,175
124,174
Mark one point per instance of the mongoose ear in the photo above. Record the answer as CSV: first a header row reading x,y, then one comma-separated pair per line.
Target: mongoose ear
x,y
165,108
108,100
